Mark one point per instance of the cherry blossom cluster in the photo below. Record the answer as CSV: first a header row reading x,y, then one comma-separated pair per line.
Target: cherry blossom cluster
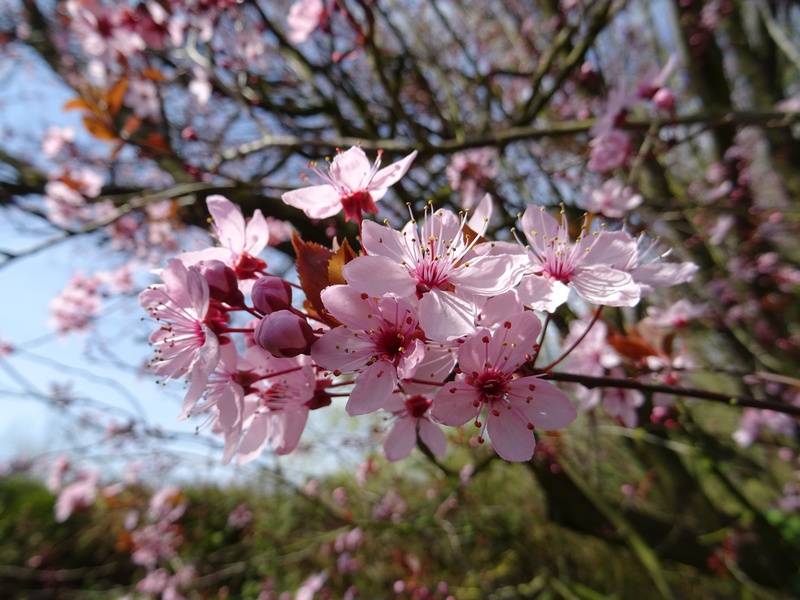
x,y
433,324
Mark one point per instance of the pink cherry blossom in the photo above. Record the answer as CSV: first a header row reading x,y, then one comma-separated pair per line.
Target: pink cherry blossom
x,y
593,356
471,172
185,345
613,199
513,406
558,264
619,101
104,31
449,274
609,151
621,403
276,406
57,138
79,494
223,396
240,241
304,17
754,422
65,205
351,183
380,340
167,504
142,97
240,517
57,470
75,308
644,262
655,79
154,542
412,421
676,315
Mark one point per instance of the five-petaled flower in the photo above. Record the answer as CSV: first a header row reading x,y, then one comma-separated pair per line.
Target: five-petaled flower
x,y
511,406
350,183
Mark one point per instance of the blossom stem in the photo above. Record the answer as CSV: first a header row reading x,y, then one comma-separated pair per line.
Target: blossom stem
x,y
284,372
576,342
547,320
425,382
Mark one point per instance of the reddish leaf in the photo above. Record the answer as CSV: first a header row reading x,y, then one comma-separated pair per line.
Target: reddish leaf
x,y
131,125
153,74
632,346
155,142
78,104
313,261
342,256
115,95
99,129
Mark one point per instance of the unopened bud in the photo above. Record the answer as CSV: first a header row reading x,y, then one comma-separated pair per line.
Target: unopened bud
x,y
284,334
664,99
223,285
270,294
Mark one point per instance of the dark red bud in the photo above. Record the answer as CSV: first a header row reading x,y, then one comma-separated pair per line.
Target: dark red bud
x,y
223,285
284,334
270,294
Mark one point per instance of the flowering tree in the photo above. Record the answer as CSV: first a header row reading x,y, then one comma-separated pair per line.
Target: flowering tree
x,y
491,224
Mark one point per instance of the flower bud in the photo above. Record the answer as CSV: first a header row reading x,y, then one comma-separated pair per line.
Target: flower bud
x,y
270,294
223,285
664,99
284,334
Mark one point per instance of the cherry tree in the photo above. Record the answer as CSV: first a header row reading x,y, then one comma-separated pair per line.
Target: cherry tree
x,y
488,232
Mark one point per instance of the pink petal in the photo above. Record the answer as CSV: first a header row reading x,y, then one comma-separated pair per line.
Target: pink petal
x,y
433,437
663,274
411,359
542,293
453,404
256,234
201,369
350,168
539,227
192,258
390,175
610,248
228,222
549,409
600,284
498,308
292,426
338,349
490,275
479,221
373,387
254,441
385,241
229,405
444,315
401,439
317,201
379,275
510,436
348,306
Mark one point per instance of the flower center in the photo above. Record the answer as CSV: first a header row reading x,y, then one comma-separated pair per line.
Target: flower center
x,y
417,406
247,266
492,385
357,203
390,344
